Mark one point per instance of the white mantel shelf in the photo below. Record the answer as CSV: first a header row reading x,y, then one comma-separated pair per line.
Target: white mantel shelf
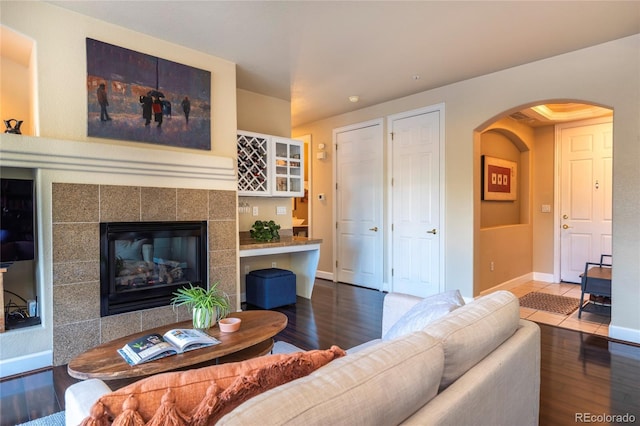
x,y
214,172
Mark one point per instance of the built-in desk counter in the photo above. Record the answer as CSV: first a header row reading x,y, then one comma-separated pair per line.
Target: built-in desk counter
x,y
304,253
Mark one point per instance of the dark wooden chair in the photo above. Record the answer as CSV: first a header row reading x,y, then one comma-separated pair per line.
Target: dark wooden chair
x,y
596,281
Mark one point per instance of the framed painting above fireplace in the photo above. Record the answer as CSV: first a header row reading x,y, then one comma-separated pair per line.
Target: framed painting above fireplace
x,y
139,97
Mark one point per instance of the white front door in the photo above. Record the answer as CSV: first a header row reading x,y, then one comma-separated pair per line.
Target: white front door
x,y
415,193
359,188
586,159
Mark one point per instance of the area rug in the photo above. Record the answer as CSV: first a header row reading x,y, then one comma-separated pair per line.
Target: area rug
x,y
55,419
549,302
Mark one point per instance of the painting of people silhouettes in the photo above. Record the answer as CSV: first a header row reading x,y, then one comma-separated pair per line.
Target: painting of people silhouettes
x,y
137,97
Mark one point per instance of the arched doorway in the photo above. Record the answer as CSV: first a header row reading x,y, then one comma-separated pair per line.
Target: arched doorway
x,y
536,239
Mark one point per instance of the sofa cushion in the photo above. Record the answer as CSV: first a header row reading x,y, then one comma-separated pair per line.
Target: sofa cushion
x,y
471,332
382,384
222,386
425,312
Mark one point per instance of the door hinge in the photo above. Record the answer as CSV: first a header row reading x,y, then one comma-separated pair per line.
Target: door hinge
x,y
336,263
391,135
336,225
336,186
392,227
392,181
391,271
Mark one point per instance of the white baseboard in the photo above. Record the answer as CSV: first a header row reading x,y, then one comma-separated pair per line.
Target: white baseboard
x,y
545,278
324,275
23,364
509,284
623,333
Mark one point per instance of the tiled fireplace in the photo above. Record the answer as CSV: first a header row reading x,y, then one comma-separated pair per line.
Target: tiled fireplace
x,y
78,210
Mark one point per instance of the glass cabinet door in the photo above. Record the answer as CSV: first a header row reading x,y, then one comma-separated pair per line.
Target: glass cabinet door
x,y
289,167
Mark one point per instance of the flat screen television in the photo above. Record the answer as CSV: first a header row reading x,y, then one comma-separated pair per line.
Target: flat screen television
x,y
16,220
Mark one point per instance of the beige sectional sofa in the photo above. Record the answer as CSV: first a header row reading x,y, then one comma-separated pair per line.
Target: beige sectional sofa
x,y
477,365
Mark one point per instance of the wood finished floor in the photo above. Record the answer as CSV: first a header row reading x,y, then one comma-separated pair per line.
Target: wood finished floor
x,y
580,372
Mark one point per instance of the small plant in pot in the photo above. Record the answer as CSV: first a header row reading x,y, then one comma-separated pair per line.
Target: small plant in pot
x,y
208,306
265,231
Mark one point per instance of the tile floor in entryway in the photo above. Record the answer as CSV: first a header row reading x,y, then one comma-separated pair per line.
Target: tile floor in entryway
x,y
590,322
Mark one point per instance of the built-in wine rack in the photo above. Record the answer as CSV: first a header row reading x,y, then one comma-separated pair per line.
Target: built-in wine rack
x,y
252,164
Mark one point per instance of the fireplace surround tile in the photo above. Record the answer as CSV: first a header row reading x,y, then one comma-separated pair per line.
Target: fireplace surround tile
x,y
222,257
76,252
71,339
222,205
75,272
192,204
158,204
119,203
76,242
76,303
75,203
156,317
222,235
116,326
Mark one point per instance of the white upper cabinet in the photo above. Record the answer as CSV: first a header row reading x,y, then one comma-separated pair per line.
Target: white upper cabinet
x,y
270,165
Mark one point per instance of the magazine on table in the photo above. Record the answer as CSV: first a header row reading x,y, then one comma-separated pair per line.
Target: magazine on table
x,y
155,346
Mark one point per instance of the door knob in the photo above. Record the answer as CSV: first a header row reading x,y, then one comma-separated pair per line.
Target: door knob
x,y
374,229
433,231
564,216
565,226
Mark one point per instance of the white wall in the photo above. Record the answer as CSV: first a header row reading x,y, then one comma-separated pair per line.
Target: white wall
x,y
607,74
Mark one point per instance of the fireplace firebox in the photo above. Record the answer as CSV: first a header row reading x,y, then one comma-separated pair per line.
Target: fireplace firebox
x,y
143,263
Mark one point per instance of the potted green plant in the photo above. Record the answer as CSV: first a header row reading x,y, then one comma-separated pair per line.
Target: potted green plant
x,y
265,231
208,306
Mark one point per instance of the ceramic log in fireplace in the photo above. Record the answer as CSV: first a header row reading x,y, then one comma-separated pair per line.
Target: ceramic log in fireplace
x,y
143,263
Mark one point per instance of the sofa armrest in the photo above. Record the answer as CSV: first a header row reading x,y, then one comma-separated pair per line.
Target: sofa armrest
x,y
79,397
394,306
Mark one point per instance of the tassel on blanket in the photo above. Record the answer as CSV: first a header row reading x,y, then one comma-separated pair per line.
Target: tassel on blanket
x,y
129,415
97,417
168,414
203,411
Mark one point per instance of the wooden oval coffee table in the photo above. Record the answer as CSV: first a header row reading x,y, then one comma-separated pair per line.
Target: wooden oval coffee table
x,y
254,338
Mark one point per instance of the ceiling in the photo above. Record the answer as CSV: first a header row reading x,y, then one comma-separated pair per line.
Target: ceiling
x,y
318,53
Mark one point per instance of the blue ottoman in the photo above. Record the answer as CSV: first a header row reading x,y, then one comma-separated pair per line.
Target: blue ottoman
x,y
271,288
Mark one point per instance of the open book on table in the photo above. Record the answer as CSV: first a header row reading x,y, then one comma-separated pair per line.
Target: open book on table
x,y
156,346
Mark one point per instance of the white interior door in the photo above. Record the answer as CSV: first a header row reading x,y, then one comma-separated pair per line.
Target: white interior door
x,y
359,188
586,203
416,229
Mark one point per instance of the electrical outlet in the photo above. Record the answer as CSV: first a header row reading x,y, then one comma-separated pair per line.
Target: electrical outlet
x,y
281,210
247,269
274,264
255,210
491,266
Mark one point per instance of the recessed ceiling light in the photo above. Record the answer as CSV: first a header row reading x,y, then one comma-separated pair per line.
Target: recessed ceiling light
x,y
354,98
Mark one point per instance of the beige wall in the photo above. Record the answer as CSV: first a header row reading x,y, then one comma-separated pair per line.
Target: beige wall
x,y
607,75
543,193
263,114
505,237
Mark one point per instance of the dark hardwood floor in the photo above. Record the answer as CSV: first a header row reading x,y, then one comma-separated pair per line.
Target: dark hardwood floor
x,y
581,375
